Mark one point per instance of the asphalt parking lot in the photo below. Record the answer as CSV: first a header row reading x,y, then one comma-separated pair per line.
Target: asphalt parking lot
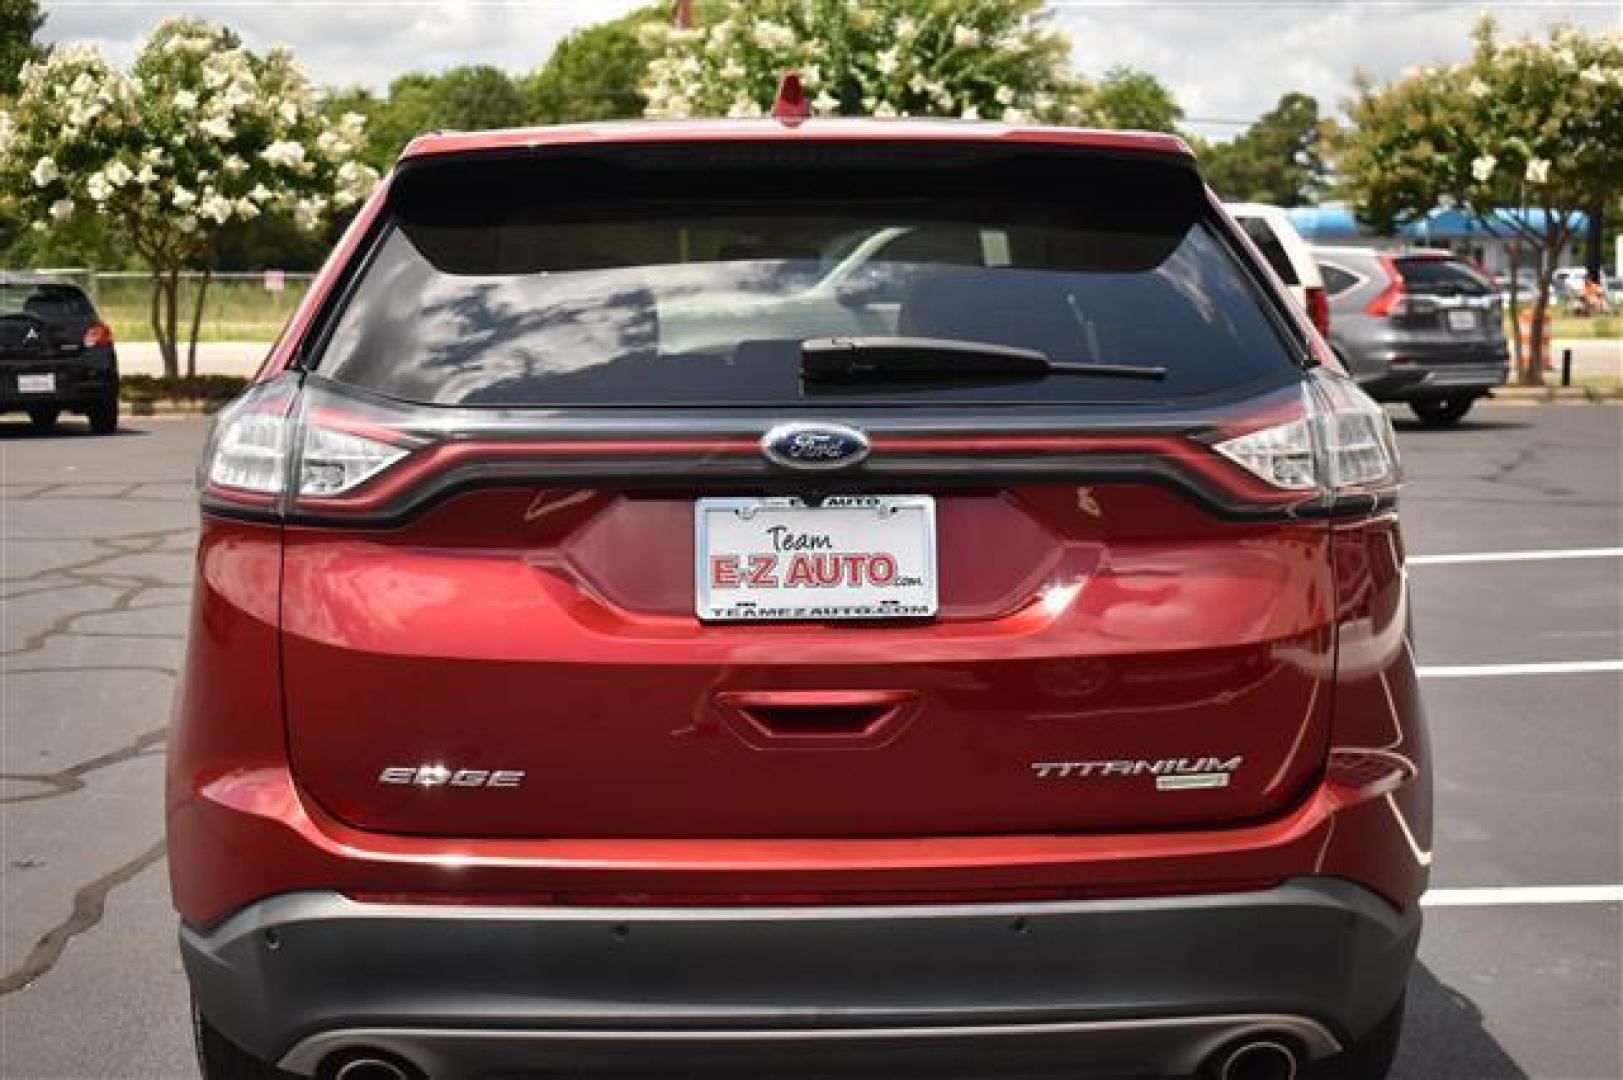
x,y
1524,687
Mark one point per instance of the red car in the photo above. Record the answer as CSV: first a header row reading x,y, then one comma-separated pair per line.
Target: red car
x,y
773,598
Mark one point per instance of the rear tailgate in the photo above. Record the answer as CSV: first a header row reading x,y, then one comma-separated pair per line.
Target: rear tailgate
x,y
498,634
1090,639
1452,313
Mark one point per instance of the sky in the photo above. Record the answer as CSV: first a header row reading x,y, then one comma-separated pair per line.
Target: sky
x,y
1226,60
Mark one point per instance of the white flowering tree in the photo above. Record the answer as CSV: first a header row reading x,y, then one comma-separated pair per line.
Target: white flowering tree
x,y
975,59
198,137
1529,125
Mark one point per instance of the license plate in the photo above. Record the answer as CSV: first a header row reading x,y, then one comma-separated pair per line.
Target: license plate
x,y
36,383
849,557
1462,320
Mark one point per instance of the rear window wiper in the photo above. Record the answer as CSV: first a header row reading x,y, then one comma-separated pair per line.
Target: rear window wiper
x,y
904,359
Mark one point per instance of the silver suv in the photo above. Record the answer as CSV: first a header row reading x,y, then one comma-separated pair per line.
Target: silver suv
x,y
1420,326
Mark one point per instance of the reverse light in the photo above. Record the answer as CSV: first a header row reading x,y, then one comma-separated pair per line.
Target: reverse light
x,y
1281,455
334,462
1342,443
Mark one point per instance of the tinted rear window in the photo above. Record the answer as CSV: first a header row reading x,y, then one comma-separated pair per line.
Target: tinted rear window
x,y
1263,235
654,282
1442,277
52,303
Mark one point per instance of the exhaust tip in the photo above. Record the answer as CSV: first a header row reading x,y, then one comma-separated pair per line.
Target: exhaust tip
x,y
369,1065
1257,1059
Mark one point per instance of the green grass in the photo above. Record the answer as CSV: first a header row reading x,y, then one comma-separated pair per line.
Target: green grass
x,y
233,310
1607,327
1595,326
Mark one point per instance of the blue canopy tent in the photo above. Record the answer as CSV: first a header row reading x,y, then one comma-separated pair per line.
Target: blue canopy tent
x,y
1335,223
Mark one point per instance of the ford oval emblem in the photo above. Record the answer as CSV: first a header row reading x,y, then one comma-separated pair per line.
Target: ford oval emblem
x,y
814,446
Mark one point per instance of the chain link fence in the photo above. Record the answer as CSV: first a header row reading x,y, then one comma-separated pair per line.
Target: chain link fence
x,y
237,307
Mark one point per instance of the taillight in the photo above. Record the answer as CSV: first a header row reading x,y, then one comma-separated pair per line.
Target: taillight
x,y
98,335
1394,299
1318,309
332,462
261,441
1341,444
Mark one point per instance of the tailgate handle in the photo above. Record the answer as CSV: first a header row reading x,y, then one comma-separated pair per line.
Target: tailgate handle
x,y
810,719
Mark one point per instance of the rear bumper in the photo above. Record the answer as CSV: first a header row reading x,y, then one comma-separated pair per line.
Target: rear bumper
x,y
1404,381
1121,986
79,382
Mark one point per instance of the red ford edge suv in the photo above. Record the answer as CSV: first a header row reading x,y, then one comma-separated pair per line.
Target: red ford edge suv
x,y
825,598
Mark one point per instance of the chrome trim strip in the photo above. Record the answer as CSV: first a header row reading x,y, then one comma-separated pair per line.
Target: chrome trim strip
x,y
1173,1039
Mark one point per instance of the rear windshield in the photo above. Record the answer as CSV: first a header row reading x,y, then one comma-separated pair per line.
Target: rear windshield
x,y
1442,277
650,283
51,303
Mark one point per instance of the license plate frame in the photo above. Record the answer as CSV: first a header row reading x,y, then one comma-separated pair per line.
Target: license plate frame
x,y
771,580
36,382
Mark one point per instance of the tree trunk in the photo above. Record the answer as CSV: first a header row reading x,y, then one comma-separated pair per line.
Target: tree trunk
x,y
1533,362
170,365
1532,370
171,322
197,315
1594,257
1515,251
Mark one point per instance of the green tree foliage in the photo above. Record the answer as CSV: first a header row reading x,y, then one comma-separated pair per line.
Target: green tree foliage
x,y
1135,100
83,240
963,58
20,20
595,72
1534,123
1278,159
472,98
469,98
396,118
199,138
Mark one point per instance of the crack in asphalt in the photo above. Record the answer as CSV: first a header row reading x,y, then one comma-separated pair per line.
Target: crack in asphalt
x,y
67,781
147,542
103,572
97,572
115,591
130,491
89,907
1506,472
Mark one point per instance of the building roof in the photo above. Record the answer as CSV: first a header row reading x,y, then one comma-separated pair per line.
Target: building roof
x,y
843,130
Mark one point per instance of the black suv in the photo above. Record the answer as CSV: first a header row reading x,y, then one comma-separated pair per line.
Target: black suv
x,y
56,355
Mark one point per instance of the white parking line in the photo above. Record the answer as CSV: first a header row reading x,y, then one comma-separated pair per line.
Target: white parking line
x,y
1516,556
1556,667
1512,896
